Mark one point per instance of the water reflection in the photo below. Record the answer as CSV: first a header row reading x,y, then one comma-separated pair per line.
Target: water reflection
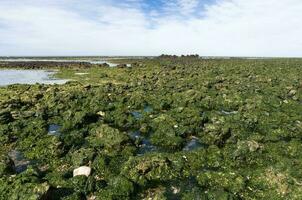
x,y
11,76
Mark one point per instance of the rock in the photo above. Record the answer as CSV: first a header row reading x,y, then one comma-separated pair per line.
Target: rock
x,y
41,190
87,86
82,156
82,171
175,190
121,65
292,93
27,114
6,165
5,116
101,113
285,101
253,145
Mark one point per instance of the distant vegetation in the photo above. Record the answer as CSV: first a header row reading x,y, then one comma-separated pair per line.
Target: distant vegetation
x,y
182,56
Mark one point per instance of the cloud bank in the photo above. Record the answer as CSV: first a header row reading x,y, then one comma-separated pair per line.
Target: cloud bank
x,y
138,27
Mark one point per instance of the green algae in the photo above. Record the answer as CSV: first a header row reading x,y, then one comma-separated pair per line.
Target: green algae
x,y
134,125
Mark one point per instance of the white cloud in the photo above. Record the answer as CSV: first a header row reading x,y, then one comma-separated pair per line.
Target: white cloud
x,y
228,28
183,7
187,6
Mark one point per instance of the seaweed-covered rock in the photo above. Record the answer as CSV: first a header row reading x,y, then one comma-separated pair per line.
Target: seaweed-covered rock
x,y
118,188
121,65
82,156
151,168
110,138
6,165
229,181
5,116
158,193
24,186
164,133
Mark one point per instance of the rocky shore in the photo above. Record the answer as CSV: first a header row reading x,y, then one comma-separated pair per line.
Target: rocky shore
x,y
168,128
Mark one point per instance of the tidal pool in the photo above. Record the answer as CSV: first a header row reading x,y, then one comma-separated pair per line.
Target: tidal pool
x,y
12,76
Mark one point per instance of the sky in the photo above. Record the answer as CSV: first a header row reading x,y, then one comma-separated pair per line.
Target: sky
x,y
265,28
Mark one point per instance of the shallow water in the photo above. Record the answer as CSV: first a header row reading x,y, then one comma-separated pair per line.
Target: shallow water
x,y
137,115
20,163
54,130
11,76
193,144
148,109
103,62
146,146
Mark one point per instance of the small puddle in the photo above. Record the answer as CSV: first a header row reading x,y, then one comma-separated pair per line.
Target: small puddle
x,y
54,130
148,109
81,74
193,144
20,163
145,146
137,115
228,112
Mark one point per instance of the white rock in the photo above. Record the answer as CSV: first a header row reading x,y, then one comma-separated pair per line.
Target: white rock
x,y
175,190
101,113
81,74
292,92
84,170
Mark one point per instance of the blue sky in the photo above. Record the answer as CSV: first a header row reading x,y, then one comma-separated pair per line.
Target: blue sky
x,y
151,27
